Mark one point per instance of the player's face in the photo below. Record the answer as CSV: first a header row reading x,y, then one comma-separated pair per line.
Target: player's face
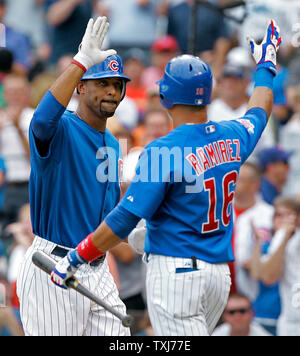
x,y
16,91
238,313
247,184
103,96
279,170
232,87
157,125
281,216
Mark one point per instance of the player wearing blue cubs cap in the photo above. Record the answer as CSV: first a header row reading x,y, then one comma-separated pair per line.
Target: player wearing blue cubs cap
x,y
184,188
74,184
112,67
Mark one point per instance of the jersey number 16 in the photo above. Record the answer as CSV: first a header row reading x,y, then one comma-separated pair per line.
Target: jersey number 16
x,y
213,221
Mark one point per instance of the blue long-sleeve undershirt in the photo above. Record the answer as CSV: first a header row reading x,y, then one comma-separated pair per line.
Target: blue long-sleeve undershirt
x,y
46,117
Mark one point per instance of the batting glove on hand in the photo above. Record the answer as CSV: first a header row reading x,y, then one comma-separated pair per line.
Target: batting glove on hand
x,y
136,239
265,53
66,268
90,52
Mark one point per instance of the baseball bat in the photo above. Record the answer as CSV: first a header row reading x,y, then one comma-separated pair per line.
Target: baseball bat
x,y
47,264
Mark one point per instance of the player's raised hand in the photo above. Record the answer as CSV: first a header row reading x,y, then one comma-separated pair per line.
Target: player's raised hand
x,y
265,53
90,49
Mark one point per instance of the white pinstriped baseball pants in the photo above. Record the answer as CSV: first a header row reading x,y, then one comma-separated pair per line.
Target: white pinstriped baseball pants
x,y
47,310
189,303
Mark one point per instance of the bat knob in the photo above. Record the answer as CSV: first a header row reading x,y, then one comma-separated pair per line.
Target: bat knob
x,y
127,321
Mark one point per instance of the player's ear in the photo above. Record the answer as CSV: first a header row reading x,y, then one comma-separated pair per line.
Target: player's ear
x,y
80,87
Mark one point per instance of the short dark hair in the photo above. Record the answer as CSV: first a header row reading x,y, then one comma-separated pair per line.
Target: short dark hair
x,y
2,2
6,59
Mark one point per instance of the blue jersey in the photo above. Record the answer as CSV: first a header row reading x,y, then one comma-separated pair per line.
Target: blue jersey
x,y
76,184
184,187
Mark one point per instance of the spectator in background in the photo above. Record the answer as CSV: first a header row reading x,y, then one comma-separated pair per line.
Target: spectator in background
x,y
29,19
22,237
282,264
127,114
213,40
61,65
6,62
275,165
10,324
282,110
251,210
67,22
162,51
134,66
232,96
132,24
156,124
14,147
2,188
3,261
153,99
238,319
289,140
17,43
125,139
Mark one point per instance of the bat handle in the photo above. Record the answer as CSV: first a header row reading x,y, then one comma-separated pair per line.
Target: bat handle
x,y
127,321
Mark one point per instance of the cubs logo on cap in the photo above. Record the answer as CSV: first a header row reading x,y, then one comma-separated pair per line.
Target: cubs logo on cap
x,y
114,66
111,68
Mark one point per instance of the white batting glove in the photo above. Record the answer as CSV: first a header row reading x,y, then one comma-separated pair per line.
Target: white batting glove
x,y
264,54
66,268
136,239
90,52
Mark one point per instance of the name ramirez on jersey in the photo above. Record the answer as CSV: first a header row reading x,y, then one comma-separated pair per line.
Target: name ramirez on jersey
x,y
214,154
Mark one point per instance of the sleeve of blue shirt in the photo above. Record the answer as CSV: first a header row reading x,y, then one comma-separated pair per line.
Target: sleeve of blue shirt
x,y
19,44
45,124
2,165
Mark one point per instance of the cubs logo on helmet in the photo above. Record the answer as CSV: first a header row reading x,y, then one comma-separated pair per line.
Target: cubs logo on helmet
x,y
114,66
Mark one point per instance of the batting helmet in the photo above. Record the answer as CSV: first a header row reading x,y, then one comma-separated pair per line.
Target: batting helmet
x,y
111,68
187,80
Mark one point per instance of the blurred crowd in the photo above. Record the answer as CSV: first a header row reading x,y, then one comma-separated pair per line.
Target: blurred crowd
x,y
38,39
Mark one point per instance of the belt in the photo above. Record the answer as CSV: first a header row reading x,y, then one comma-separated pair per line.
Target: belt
x,y
62,252
18,184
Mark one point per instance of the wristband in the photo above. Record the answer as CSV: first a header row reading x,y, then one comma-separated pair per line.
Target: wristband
x,y
87,250
79,65
263,78
74,259
83,60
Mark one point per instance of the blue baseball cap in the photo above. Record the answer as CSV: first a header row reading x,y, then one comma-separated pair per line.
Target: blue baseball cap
x,y
112,67
272,155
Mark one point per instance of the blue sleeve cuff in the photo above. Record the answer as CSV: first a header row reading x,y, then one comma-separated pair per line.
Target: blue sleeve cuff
x,y
264,78
121,221
260,112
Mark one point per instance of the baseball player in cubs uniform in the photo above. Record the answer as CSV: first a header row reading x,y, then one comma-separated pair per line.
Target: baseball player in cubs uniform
x,y
69,193
187,199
